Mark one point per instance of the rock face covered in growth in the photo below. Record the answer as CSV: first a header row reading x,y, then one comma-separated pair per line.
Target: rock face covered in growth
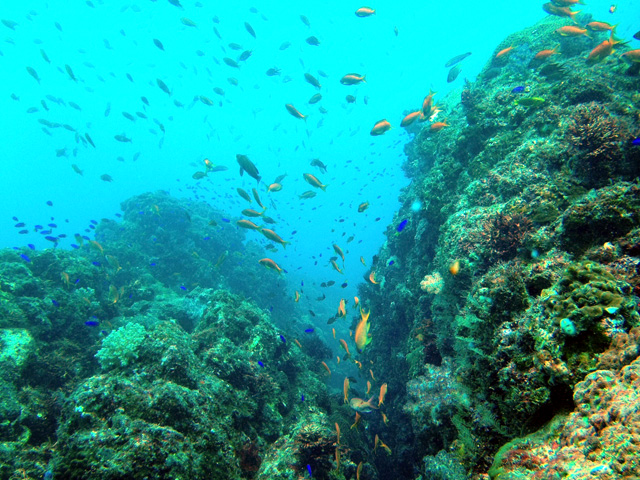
x,y
516,278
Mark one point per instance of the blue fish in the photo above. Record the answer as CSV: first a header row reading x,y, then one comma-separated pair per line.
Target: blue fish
x,y
31,246
260,363
73,245
403,224
25,258
55,303
636,141
391,262
97,264
309,470
284,340
309,330
518,90
152,264
182,287
226,220
302,397
344,285
91,323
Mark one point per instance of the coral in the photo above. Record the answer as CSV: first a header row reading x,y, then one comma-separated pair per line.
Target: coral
x,y
432,283
597,143
120,348
600,438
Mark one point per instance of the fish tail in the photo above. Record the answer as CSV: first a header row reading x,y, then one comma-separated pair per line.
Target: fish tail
x,y
364,77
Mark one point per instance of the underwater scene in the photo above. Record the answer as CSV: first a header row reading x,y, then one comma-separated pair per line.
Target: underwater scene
x,y
293,240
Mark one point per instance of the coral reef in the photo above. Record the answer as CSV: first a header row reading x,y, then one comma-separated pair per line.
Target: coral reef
x,y
533,195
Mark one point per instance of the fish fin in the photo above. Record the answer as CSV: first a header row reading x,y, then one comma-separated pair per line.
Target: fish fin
x,y
241,171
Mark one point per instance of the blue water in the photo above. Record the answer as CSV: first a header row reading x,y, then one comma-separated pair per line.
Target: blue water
x,y
401,50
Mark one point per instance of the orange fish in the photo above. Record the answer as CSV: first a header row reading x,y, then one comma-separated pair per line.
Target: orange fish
x,y
380,127
250,212
362,261
294,111
334,333
384,418
326,367
337,359
372,277
342,311
564,12
364,12
274,187
267,262
600,27
410,118
454,268
338,433
248,224
363,206
64,276
356,301
297,296
427,104
313,181
386,448
504,51
97,246
357,421
337,458
297,342
572,31
335,266
437,126
371,372
358,364
542,54
345,389
368,387
383,393
602,50
346,348
358,470
352,79
273,236
362,336
632,56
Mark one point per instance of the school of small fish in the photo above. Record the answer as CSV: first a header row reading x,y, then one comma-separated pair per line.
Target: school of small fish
x,y
266,195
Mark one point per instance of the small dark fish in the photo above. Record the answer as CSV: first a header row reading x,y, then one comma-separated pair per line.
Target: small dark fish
x,y
19,225
403,224
315,99
25,258
244,55
332,320
330,283
158,44
250,29
163,86
260,363
91,323
52,239
519,89
637,36
636,141
453,73
312,80
313,41
312,313
319,299
308,330
284,340
285,45
456,59
305,20
231,62
344,285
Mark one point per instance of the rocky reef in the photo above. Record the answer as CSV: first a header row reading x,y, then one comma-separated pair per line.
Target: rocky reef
x,y
510,312
131,358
